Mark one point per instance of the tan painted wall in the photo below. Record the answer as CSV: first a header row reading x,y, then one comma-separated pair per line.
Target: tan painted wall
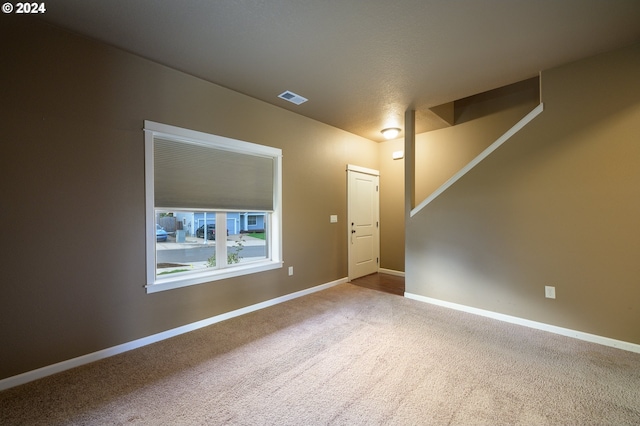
x,y
557,205
480,120
391,206
72,185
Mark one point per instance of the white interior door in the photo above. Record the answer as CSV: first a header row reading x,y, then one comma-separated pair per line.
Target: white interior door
x,y
363,221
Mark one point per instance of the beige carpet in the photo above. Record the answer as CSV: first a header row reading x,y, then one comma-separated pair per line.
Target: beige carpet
x,y
344,356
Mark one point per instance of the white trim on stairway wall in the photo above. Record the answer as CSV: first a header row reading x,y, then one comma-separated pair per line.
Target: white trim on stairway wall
x,y
484,154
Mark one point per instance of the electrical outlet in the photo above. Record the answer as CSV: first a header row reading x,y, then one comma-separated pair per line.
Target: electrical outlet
x,y
549,292
290,270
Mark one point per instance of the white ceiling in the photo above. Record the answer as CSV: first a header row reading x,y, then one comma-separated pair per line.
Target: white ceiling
x,y
361,63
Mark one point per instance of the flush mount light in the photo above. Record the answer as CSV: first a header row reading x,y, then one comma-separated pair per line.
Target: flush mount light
x,y
390,133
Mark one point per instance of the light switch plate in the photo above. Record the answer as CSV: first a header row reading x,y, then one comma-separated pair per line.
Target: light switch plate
x,y
333,218
549,292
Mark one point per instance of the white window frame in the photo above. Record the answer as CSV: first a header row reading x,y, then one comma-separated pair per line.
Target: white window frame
x,y
274,245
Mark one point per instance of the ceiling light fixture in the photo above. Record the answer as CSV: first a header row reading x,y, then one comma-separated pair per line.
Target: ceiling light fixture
x,y
390,132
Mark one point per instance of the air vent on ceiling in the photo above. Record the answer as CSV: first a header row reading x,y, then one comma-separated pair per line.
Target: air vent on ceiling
x,y
292,97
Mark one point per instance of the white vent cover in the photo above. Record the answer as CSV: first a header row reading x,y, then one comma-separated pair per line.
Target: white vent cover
x,y
292,97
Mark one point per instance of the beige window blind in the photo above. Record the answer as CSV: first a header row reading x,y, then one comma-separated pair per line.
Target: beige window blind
x,y
197,176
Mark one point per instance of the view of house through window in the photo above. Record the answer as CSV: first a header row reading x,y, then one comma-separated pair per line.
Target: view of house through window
x,y
187,241
213,207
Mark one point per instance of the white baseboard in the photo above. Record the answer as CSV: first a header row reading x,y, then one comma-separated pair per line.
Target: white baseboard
x,y
391,272
49,370
606,341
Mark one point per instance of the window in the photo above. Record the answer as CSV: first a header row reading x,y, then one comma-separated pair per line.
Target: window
x,y
213,207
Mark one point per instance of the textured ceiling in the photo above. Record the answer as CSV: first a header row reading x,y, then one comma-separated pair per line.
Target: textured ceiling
x,y
361,63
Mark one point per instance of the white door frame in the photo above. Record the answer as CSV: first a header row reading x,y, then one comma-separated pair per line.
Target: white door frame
x,y
357,169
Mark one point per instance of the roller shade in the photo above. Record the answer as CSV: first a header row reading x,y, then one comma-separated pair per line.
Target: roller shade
x,y
189,175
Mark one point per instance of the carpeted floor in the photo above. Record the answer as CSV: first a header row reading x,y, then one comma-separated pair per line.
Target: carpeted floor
x,y
344,356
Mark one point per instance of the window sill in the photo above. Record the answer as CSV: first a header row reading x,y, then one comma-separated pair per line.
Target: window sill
x,y
164,284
